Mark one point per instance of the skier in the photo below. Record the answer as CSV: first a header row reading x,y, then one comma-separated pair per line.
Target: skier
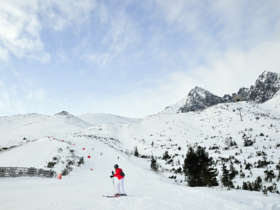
x,y
119,174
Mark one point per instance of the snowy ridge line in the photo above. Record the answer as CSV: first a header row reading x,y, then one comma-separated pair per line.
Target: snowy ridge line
x,y
24,171
5,149
198,99
110,141
60,140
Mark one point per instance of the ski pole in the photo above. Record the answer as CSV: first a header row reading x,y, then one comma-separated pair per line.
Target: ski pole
x,y
113,182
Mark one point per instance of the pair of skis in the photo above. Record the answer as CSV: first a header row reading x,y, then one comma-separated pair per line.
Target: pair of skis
x,y
114,196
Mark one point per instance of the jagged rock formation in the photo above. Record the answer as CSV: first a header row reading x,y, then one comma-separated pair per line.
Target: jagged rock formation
x,y
64,113
265,87
267,84
199,99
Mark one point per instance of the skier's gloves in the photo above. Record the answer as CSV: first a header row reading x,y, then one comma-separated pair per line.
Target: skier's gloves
x,y
111,176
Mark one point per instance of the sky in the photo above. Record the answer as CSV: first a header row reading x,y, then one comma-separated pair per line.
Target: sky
x,y
127,57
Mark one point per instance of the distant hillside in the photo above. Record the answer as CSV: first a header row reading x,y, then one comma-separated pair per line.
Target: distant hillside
x,y
100,118
18,128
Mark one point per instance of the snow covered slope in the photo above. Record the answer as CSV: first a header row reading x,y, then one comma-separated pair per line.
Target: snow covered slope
x,y
273,105
100,119
175,107
84,187
243,133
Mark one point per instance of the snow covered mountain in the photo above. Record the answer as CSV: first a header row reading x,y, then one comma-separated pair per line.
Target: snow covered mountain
x,y
71,119
19,128
239,131
199,99
265,87
244,135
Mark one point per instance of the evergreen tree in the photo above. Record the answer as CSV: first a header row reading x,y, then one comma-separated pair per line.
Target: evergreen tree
x,y
198,168
264,190
226,178
258,184
154,165
233,172
136,153
211,177
166,156
269,175
245,186
278,168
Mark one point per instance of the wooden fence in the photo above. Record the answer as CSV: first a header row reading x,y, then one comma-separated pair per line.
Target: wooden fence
x,y
22,171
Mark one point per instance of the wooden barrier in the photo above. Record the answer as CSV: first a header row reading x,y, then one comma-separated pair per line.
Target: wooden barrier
x,y
22,171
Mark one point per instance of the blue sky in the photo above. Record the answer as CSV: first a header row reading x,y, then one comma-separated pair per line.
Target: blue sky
x,y
128,57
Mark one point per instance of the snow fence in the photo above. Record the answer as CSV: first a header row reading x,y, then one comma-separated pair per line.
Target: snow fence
x,y
22,171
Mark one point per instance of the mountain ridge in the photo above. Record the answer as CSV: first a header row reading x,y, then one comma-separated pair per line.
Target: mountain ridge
x,y
265,87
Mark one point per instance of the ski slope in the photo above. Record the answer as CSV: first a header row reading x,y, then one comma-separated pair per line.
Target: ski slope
x,y
84,187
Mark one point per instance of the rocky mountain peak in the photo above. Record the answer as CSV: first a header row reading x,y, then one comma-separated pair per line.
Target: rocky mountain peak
x,y
265,87
198,92
267,84
199,99
63,113
269,77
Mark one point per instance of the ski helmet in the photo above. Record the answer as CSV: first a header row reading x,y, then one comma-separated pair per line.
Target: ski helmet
x,y
116,166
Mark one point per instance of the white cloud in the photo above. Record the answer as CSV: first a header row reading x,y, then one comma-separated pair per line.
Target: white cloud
x,y
226,73
21,23
19,30
222,24
120,35
233,69
62,13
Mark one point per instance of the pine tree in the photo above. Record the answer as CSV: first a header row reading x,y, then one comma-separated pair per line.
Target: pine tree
x,y
226,179
258,184
233,172
269,175
136,153
154,165
245,186
198,168
211,177
278,168
264,190
190,167
166,156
